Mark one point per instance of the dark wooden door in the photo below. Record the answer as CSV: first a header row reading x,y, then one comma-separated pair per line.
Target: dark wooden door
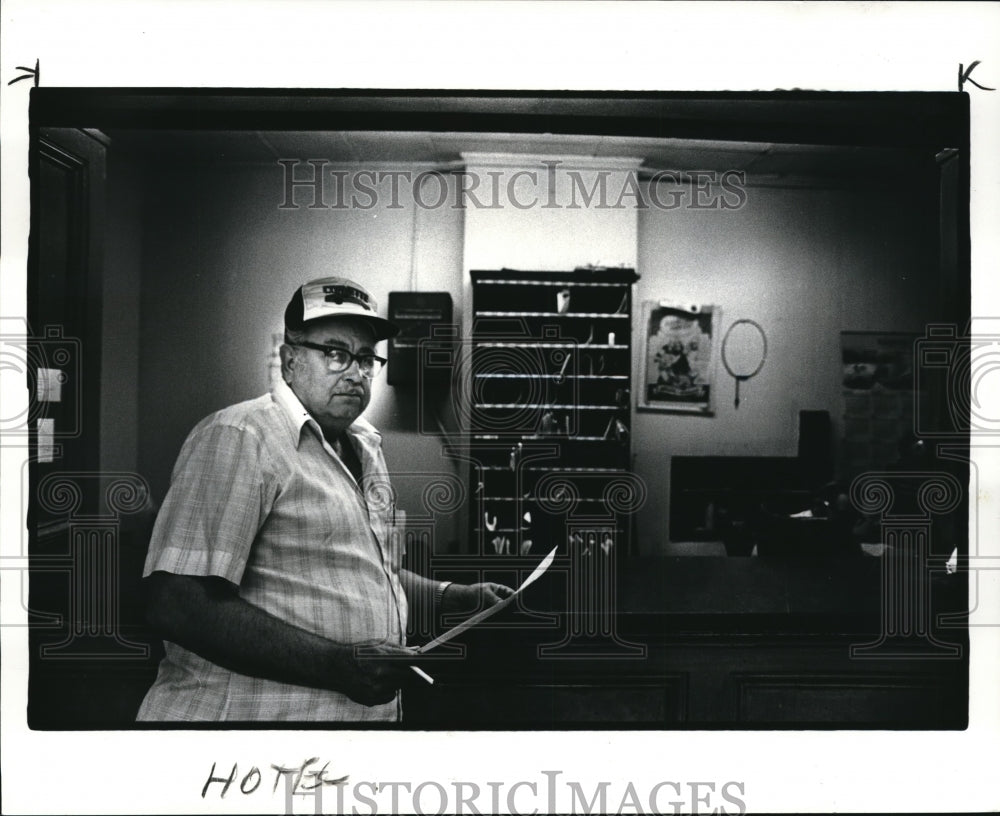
x,y
64,315
79,654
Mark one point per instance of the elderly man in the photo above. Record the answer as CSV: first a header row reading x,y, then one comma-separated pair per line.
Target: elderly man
x,y
271,573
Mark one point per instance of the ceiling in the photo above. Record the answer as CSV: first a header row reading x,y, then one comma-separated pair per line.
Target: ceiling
x,y
776,135
758,159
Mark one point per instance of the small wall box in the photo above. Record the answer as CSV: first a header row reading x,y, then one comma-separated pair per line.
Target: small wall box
x,y
426,329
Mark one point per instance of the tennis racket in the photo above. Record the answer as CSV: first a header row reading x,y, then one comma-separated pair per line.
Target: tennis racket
x,y
744,349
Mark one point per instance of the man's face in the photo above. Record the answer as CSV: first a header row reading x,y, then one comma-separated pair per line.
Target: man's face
x,y
334,399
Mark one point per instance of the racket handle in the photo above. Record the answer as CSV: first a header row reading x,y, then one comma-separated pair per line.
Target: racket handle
x,y
736,401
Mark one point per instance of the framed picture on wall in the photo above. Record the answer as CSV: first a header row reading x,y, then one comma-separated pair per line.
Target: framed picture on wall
x,y
679,359
878,387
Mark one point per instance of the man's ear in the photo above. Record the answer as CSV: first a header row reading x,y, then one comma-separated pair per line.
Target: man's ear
x,y
287,360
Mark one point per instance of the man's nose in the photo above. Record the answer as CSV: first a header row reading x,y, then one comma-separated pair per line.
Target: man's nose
x,y
353,371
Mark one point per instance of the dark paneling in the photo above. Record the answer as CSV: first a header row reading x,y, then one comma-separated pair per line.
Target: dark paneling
x,y
92,657
646,700
874,699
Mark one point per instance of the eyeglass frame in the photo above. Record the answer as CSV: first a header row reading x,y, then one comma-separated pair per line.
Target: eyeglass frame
x,y
328,350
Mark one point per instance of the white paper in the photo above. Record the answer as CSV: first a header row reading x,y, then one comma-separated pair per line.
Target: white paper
x,y
46,440
479,617
49,382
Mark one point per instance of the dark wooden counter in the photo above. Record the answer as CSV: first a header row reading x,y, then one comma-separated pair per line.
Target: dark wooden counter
x,y
706,643
685,642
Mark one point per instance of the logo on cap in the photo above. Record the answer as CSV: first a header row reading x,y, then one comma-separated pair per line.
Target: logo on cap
x,y
336,293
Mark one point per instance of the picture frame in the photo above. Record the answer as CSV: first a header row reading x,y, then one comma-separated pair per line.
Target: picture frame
x,y
881,398
679,357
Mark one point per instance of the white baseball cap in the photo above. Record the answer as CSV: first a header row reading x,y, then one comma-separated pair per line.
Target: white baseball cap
x,y
336,297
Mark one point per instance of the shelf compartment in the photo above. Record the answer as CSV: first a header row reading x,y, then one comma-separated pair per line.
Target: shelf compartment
x,y
534,500
507,406
525,393
491,376
545,344
555,469
560,284
518,426
485,437
581,315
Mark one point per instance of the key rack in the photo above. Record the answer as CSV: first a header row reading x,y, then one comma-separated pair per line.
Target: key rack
x,y
550,403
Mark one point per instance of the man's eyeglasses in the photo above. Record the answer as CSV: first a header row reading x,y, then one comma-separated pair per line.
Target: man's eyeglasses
x,y
340,359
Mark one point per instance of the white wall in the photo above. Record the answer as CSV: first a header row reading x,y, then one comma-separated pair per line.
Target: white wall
x,y
220,263
535,215
220,260
804,263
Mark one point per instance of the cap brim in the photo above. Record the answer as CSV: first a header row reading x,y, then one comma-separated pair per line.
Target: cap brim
x,y
384,329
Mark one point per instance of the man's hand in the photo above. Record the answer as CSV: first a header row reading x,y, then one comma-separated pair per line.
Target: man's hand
x,y
377,672
473,597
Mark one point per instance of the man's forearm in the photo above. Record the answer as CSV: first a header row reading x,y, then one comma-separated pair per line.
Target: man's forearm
x,y
223,628
419,590
450,597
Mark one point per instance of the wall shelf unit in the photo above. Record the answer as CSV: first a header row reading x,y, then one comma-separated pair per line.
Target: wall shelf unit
x,y
551,411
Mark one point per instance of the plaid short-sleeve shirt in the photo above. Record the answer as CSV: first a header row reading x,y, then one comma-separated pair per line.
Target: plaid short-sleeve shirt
x,y
259,498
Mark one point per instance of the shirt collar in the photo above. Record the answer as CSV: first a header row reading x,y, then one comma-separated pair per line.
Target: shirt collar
x,y
283,395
